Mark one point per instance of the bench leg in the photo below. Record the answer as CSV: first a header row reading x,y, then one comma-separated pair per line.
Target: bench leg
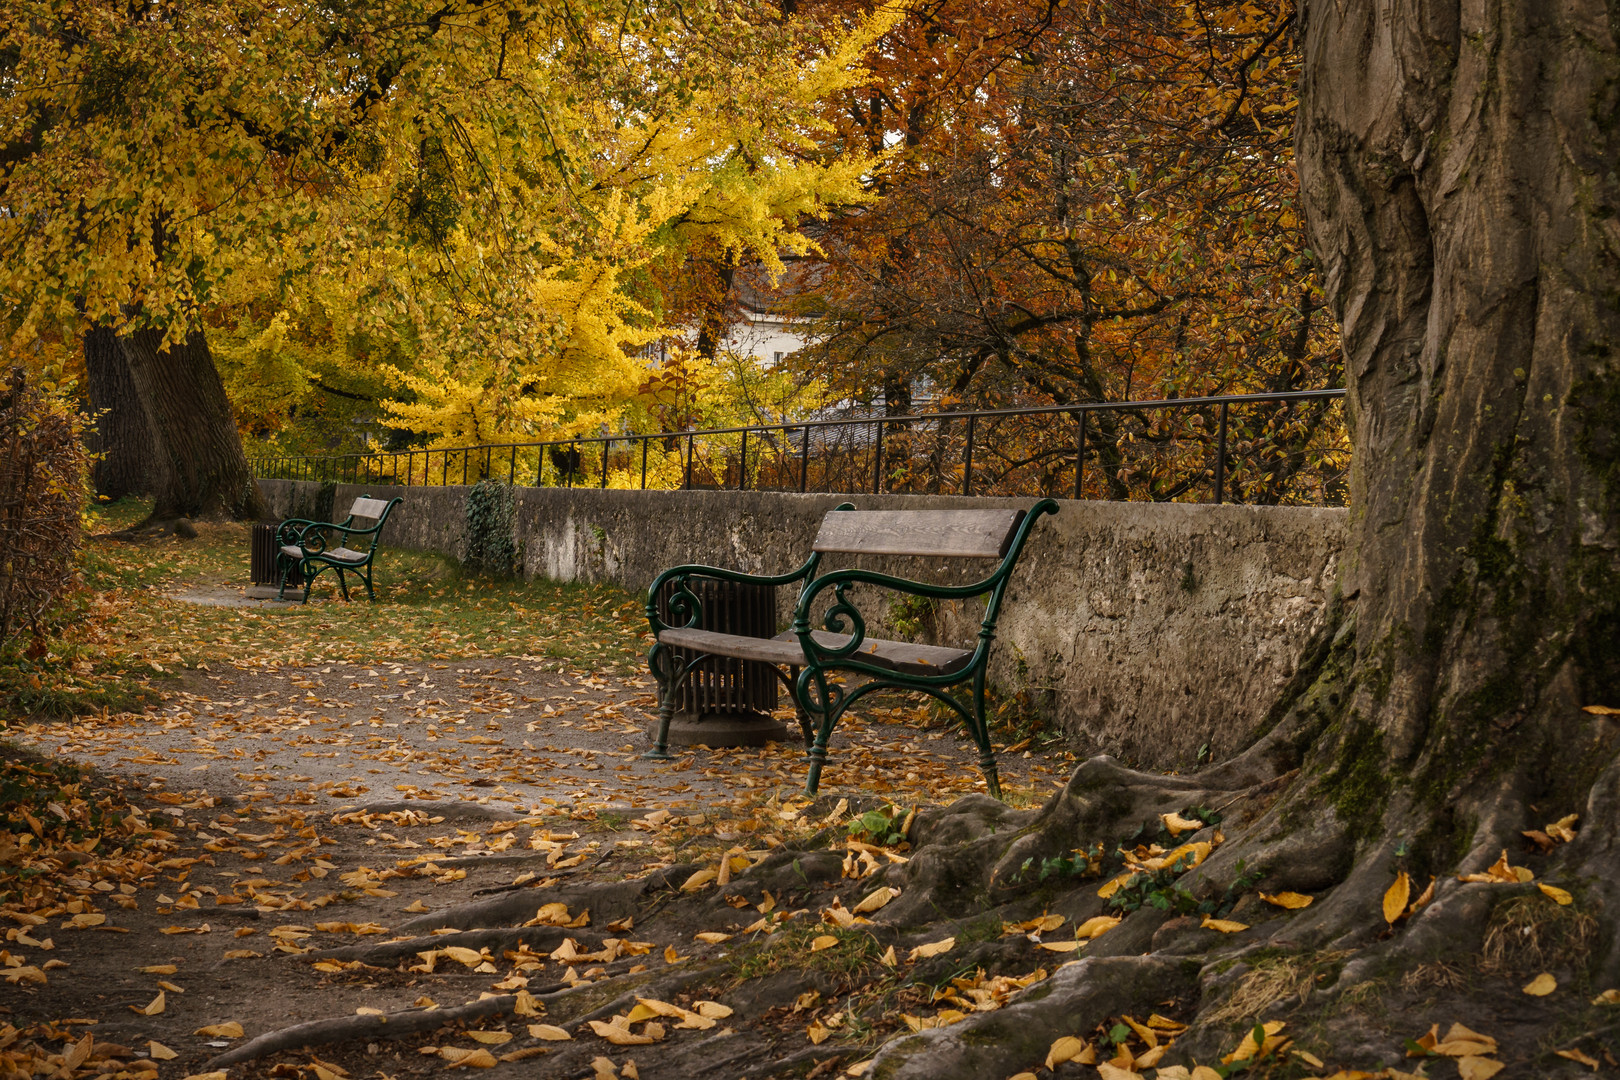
x,y
660,661
830,712
981,734
798,710
343,584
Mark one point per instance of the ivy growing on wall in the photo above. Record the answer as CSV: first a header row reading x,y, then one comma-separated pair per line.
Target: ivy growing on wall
x,y
491,548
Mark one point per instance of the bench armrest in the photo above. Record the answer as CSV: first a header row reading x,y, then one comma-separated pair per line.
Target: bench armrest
x,y
842,608
304,533
685,605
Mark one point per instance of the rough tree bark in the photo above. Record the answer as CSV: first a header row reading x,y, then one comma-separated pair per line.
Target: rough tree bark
x,y
196,445
123,438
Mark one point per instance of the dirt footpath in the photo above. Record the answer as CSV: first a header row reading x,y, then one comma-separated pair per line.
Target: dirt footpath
x,y
305,809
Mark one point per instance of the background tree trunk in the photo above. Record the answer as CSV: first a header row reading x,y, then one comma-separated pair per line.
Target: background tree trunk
x,y
194,435
122,435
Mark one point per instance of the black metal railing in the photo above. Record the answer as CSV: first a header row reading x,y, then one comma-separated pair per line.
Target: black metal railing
x,y
1288,447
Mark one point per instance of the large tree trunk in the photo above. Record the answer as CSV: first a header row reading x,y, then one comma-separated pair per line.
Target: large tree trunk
x,y
194,436
123,439
1458,172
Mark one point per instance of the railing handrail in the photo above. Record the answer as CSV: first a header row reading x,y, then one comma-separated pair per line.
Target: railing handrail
x,y
794,425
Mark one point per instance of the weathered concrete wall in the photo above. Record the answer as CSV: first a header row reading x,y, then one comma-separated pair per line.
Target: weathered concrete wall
x,y
1151,629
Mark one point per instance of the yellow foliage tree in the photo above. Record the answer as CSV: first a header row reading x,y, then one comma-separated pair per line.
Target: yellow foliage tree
x,y
496,178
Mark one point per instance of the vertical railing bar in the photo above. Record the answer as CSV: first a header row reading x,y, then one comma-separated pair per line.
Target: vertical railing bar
x,y
967,458
645,439
1080,457
606,443
742,471
511,470
804,461
687,484
1220,459
877,460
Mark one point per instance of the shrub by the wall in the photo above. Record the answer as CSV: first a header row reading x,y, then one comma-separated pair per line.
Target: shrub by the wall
x,y
491,548
43,465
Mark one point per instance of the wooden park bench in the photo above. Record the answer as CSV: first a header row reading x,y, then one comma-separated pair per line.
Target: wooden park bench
x,y
306,546
813,655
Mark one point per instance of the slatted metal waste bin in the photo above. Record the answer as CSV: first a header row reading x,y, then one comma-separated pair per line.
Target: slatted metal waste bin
x,y
725,701
262,557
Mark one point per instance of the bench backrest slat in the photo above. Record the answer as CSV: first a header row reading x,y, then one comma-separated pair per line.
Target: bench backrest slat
x,y
950,533
368,508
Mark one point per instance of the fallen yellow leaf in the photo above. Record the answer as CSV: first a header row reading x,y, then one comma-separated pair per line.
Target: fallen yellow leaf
x,y
1225,926
1061,946
160,969
462,1058
699,879
818,1033
933,948
490,1038
159,1052
1175,824
711,937
153,1007
1396,896
228,1030
1575,1054
1559,896
1293,901
1541,985
619,1036
1608,997
548,1032
713,1010
1109,1071
1068,1048
822,941
875,899
1095,926
1248,1048
1477,1068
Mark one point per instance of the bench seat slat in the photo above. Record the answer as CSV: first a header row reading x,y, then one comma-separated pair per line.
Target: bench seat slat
x,y
367,508
949,533
902,656
337,554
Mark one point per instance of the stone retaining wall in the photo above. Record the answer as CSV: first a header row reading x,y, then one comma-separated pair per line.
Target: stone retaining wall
x,y
1152,630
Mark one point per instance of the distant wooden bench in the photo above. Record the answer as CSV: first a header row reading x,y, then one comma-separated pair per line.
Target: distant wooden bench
x,y
812,655
307,546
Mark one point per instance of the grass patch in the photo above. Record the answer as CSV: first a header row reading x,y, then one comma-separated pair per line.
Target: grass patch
x,y
118,638
856,955
1531,934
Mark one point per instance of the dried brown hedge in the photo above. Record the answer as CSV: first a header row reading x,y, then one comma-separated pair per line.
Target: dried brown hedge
x,y
43,465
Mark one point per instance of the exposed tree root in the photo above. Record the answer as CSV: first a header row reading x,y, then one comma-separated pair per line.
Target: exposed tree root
x,y
973,868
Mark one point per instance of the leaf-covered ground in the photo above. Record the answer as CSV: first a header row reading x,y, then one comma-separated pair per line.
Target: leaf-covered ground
x,y
398,839
282,764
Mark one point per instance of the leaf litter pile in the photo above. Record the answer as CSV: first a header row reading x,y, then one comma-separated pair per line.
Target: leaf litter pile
x,y
417,838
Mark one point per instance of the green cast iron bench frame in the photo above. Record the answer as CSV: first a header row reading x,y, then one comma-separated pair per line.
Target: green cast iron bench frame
x,y
811,655
303,544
